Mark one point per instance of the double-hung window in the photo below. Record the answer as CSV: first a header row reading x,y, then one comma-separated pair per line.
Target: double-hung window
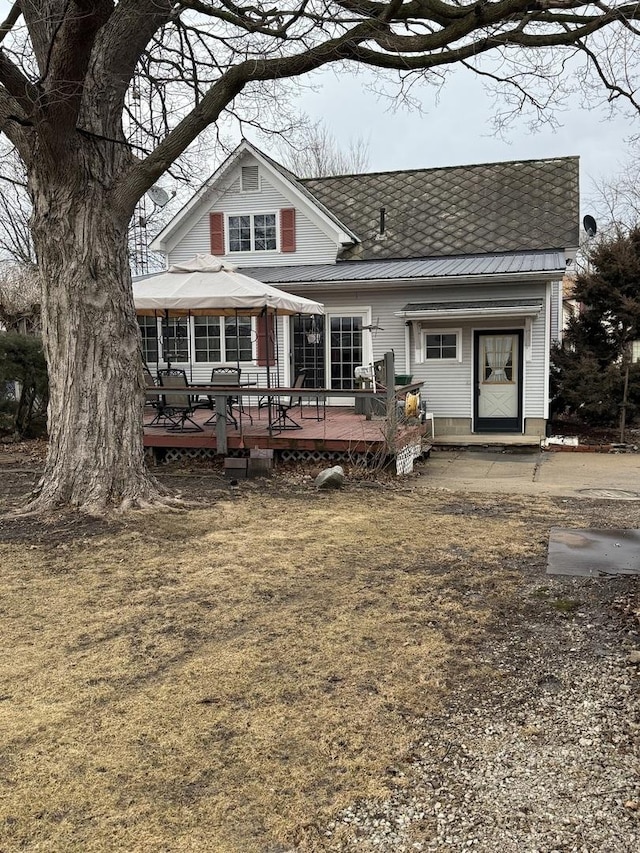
x,y
442,345
254,232
149,332
221,339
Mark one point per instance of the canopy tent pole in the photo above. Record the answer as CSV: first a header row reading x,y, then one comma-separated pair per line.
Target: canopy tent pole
x,y
276,347
166,351
265,313
189,351
237,343
158,341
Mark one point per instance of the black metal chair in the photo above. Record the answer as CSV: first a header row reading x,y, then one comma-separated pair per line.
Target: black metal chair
x,y
179,407
313,402
283,406
161,417
225,376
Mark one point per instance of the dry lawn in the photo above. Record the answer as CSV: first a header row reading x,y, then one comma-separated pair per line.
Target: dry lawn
x,y
226,679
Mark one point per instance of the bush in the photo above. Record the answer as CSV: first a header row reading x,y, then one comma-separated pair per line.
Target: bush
x,y
591,392
23,385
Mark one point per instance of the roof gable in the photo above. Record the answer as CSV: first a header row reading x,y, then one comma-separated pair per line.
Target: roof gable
x,y
218,183
496,207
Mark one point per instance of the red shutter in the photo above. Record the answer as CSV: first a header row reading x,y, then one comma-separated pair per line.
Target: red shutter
x,y
216,230
266,349
288,229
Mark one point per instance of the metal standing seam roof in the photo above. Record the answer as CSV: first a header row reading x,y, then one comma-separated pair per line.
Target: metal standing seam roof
x,y
513,263
487,304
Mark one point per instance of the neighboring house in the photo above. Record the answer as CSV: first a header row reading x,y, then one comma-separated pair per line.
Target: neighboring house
x,y
458,270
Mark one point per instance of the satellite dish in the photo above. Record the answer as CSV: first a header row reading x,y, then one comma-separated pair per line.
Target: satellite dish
x,y
158,196
590,226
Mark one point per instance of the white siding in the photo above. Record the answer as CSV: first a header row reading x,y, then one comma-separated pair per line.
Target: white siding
x,y
448,387
536,380
313,246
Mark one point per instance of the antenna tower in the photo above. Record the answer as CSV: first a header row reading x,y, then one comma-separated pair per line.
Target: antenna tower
x,y
140,247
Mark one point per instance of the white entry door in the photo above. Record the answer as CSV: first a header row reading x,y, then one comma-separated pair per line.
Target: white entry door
x,y
498,367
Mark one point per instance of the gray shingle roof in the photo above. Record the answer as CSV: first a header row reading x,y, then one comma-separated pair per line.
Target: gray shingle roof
x,y
513,263
495,207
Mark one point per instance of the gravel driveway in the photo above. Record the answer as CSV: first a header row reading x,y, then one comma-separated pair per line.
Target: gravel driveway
x,y
541,756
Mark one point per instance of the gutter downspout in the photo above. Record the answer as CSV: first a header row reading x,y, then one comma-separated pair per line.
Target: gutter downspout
x,y
407,349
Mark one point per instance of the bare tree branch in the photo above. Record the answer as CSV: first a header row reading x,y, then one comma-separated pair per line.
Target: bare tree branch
x,y
9,22
12,122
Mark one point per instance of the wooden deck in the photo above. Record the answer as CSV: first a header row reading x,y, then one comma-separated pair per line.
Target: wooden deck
x,y
340,431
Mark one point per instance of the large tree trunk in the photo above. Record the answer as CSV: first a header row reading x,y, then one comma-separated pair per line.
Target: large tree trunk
x,y
92,345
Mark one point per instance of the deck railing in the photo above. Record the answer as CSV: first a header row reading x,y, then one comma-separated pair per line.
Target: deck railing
x,y
387,397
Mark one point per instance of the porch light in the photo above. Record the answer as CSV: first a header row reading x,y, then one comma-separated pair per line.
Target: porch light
x,y
313,335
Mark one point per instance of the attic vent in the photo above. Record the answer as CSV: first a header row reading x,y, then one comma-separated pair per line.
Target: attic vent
x,y
249,179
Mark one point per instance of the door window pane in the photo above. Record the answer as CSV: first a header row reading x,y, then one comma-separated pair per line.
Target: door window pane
x,y
346,350
308,349
498,359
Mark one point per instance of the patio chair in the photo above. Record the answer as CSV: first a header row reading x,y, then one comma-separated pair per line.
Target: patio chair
x,y
156,402
283,405
313,401
179,407
225,376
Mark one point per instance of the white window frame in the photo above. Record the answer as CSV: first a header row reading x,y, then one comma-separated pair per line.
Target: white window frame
x,y
252,216
145,338
223,342
456,332
362,311
191,336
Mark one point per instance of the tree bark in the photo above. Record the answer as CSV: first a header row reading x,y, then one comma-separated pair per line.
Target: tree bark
x,y
91,340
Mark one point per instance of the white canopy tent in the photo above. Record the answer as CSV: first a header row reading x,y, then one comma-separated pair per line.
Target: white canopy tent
x,y
207,285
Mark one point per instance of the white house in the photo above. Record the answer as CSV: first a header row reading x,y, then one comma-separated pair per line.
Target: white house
x,y
457,270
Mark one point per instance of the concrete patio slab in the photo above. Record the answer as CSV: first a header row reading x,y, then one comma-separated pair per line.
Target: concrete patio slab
x,y
610,476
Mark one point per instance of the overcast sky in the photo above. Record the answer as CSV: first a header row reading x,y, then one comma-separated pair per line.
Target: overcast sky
x,y
458,130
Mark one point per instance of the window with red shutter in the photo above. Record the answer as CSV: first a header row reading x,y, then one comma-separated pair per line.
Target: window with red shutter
x,y
216,231
288,229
